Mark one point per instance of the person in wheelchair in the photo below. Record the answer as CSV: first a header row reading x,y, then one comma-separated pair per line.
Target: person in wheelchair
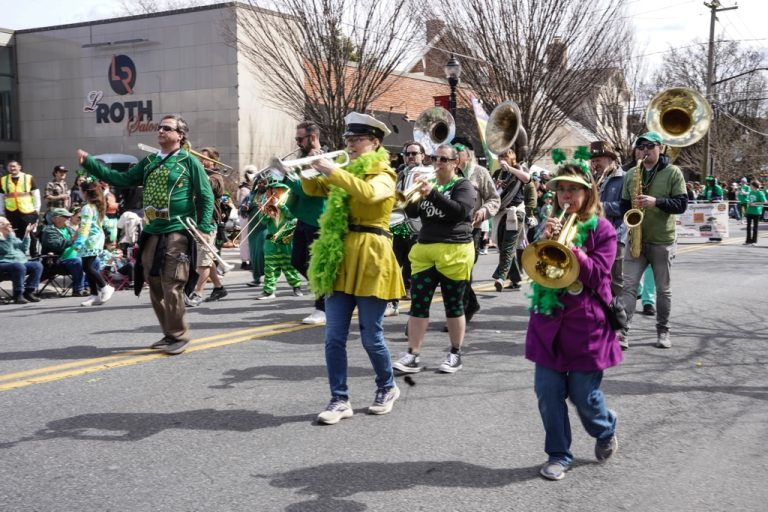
x,y
57,239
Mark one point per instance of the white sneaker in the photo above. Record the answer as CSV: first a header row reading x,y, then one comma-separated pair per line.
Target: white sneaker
x,y
105,294
408,363
452,363
498,284
193,300
266,296
90,301
336,410
316,318
391,310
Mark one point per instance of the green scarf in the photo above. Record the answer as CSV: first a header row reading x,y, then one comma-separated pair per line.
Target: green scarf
x,y
327,252
545,300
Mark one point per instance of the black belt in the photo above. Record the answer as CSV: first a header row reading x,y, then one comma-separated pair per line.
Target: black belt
x,y
369,229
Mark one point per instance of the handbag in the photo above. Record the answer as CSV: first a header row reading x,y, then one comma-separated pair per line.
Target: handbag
x,y
614,312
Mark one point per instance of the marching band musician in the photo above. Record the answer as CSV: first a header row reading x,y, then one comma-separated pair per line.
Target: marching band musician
x,y
510,182
569,337
663,196
205,264
444,255
486,207
404,237
256,231
175,186
610,180
280,225
307,210
353,263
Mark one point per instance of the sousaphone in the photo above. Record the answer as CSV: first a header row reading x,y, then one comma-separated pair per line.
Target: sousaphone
x,y
433,127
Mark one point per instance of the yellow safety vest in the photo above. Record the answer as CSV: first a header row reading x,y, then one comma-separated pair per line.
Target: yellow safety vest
x,y
18,196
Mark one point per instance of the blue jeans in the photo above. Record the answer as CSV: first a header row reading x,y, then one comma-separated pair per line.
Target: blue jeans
x,y
583,388
74,267
338,316
31,270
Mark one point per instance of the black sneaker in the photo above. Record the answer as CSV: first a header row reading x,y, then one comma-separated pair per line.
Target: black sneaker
x,y
162,343
649,310
452,363
216,294
253,284
175,348
20,300
408,363
31,297
606,448
513,286
297,291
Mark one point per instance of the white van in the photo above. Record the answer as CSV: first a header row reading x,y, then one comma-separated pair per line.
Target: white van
x,y
128,198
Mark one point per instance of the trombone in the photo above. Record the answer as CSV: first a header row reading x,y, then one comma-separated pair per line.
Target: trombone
x,y
226,172
191,226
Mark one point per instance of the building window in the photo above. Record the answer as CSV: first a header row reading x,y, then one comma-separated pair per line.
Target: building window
x,y
7,124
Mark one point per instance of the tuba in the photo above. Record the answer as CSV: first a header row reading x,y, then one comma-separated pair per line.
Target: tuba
x,y
503,127
551,263
433,127
680,115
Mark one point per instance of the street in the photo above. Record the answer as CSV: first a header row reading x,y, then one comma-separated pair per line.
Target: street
x,y
95,421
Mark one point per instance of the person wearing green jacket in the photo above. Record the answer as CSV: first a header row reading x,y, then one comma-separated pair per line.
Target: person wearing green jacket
x,y
712,190
755,200
175,187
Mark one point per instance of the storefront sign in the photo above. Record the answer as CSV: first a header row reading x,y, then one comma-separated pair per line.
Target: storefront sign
x,y
137,114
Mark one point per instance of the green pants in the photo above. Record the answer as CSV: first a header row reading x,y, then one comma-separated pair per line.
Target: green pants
x,y
277,260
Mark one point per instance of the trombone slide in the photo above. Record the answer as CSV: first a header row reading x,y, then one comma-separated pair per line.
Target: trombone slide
x,y
191,226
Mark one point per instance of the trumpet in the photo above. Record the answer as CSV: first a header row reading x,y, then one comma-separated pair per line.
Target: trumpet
x,y
191,226
412,194
551,263
307,160
226,172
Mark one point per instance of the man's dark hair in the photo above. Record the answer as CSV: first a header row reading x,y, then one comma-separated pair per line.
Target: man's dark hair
x,y
309,127
413,143
181,126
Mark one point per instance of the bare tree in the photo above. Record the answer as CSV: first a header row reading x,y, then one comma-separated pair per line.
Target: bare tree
x,y
543,54
132,7
740,105
322,59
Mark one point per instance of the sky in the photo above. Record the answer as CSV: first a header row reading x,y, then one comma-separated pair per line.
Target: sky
x,y
659,23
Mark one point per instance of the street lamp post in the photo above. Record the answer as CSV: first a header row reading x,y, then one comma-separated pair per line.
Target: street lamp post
x,y
453,73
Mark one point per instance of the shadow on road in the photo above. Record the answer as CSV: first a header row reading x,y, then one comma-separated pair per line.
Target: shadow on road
x,y
291,373
328,482
138,426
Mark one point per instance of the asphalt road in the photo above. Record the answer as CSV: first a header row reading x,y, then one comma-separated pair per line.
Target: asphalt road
x,y
93,421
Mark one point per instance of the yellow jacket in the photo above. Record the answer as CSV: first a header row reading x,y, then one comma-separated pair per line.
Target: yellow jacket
x,y
369,267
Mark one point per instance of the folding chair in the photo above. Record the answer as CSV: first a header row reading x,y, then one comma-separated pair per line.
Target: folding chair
x,y
5,296
54,276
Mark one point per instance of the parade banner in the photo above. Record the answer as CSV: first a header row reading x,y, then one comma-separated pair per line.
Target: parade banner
x,y
702,221
482,120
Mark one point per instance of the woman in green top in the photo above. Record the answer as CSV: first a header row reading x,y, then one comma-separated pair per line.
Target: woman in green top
x,y
755,198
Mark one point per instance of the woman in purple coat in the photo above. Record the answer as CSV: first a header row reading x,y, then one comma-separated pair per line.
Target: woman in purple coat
x,y
569,337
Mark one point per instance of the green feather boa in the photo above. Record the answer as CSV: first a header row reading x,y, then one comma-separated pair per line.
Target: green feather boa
x,y
545,300
327,252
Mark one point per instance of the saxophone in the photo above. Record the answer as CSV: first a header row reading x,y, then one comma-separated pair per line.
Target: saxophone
x,y
634,217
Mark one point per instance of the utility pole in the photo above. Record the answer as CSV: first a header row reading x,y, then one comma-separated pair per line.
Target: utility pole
x,y
714,7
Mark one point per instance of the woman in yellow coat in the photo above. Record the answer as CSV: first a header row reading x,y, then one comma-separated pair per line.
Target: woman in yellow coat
x,y
352,263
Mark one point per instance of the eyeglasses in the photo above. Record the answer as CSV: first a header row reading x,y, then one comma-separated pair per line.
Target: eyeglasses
x,y
568,190
165,128
299,139
443,159
412,153
356,139
650,145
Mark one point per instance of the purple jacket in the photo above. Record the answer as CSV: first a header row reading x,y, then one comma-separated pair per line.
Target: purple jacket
x,y
578,337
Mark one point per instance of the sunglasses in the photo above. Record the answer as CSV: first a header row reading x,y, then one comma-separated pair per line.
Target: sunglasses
x,y
166,128
650,145
412,153
444,159
299,139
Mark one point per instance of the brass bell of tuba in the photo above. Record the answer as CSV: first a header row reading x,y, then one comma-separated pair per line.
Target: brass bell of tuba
x,y
551,263
503,127
680,115
433,127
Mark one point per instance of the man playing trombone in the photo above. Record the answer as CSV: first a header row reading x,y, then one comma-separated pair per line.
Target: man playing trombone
x,y
175,188
205,263
307,210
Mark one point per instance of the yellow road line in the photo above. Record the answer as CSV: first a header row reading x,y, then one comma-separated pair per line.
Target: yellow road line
x,y
118,362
